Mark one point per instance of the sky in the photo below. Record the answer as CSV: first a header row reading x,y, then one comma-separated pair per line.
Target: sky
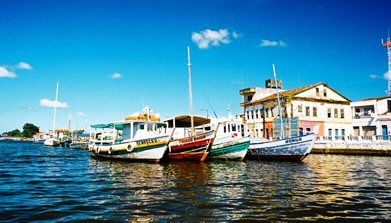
x,y
112,58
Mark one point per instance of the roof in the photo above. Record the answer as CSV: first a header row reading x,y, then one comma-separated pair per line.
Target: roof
x,y
185,121
293,92
376,98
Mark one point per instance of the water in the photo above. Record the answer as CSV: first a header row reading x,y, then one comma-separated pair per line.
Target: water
x,y
58,184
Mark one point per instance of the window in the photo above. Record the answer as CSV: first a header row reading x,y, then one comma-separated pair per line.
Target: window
x,y
272,112
308,130
389,105
248,115
229,128
225,129
301,131
325,92
267,113
336,133
256,114
307,111
300,108
342,113
357,112
329,113
317,92
343,132
233,128
249,98
142,126
330,132
314,112
251,115
335,113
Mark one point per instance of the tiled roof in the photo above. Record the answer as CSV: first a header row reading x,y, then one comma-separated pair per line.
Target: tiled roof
x,y
291,93
376,98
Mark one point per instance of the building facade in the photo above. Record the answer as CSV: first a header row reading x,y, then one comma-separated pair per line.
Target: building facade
x,y
372,117
314,105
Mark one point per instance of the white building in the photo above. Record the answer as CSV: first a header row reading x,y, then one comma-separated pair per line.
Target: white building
x,y
372,116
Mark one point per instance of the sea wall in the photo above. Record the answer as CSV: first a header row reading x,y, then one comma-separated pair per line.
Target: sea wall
x,y
372,148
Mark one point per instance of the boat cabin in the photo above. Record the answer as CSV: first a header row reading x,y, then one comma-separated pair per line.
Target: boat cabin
x,y
182,125
127,131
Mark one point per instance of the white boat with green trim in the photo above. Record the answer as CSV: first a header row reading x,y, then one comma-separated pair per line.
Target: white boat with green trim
x,y
231,142
138,137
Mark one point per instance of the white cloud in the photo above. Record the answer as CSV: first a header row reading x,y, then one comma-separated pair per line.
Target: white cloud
x,y
51,104
373,76
24,66
80,114
236,35
387,75
206,38
116,75
4,72
272,43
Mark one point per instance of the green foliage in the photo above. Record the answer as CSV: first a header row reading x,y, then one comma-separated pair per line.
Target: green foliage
x,y
13,133
29,130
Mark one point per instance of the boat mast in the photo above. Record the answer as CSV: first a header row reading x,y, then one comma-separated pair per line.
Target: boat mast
x,y
282,132
55,112
190,92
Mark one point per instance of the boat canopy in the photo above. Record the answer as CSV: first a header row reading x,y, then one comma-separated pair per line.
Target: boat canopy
x,y
108,125
121,125
184,121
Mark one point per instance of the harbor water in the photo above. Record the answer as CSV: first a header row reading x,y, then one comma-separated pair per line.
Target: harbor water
x,y
41,184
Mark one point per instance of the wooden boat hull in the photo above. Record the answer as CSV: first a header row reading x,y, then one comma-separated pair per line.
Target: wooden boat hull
x,y
148,154
51,142
289,149
78,145
235,149
195,148
142,150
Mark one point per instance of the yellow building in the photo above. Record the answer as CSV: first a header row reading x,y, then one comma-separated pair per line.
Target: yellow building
x,y
316,104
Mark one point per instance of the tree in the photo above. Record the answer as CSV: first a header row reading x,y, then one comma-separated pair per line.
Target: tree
x,y
29,130
13,133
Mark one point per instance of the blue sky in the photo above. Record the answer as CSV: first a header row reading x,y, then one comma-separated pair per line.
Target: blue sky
x,y
82,44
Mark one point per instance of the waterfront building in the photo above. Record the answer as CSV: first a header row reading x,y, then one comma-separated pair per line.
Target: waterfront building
x,y
372,116
316,104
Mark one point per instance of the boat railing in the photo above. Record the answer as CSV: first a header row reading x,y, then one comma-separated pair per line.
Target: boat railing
x,y
374,138
195,137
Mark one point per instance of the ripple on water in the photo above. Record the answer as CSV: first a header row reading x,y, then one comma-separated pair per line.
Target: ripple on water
x,y
57,184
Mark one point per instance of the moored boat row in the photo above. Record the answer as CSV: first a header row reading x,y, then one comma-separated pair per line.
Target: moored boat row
x,y
188,137
145,140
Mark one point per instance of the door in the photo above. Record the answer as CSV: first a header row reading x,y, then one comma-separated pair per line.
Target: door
x,y
384,132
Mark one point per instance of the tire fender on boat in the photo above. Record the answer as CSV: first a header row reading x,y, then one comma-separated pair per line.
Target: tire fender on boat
x,y
97,149
129,148
110,150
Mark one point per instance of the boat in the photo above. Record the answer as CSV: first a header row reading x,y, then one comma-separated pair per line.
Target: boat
x,y
78,145
79,140
285,147
135,138
294,148
53,141
231,142
187,143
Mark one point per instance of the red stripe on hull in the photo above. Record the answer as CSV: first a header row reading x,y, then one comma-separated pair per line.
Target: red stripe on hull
x,y
191,145
189,156
294,158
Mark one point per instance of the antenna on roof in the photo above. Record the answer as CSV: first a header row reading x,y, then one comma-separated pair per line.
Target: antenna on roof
x,y
387,45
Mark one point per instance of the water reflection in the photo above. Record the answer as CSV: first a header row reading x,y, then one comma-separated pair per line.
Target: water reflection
x,y
38,183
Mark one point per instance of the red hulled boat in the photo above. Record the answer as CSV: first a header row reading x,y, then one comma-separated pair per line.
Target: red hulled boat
x,y
186,145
